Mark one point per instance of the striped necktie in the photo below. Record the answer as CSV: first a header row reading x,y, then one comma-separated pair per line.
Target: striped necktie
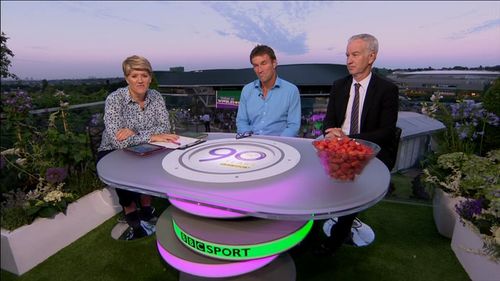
x,y
355,111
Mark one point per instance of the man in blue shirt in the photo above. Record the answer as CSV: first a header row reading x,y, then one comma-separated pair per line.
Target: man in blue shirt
x,y
268,105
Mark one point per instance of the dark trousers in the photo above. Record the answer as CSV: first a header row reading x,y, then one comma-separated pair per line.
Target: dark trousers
x,y
207,126
340,231
125,197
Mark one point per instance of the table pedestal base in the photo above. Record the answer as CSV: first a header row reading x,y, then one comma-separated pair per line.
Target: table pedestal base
x,y
282,269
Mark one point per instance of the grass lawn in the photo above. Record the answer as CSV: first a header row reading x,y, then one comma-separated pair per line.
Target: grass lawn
x,y
407,247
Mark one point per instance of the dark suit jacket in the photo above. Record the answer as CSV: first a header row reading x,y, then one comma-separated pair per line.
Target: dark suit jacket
x,y
379,116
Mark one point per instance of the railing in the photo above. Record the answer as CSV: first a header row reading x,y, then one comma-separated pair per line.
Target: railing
x,y
53,109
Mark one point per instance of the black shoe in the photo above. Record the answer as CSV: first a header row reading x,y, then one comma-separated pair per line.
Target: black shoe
x,y
133,234
148,214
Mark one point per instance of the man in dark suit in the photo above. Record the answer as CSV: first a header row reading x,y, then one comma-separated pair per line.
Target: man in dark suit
x,y
375,120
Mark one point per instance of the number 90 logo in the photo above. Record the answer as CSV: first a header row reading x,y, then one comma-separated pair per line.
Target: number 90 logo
x,y
225,152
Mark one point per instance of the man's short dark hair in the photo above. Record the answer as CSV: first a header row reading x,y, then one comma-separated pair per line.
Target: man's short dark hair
x,y
260,50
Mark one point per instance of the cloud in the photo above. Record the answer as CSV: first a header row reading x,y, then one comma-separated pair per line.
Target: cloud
x,y
485,26
489,24
445,20
277,24
222,33
104,13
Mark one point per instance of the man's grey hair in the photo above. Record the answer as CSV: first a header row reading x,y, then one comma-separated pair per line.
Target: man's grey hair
x,y
369,39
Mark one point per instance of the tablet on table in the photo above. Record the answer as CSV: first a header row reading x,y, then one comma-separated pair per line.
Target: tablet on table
x,y
144,149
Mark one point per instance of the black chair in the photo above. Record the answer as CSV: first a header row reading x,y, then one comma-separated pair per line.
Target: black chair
x,y
394,148
394,156
94,133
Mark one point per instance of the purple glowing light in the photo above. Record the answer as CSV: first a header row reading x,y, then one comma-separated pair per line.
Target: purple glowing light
x,y
213,270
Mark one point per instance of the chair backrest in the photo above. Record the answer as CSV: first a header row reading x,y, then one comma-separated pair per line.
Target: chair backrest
x,y
395,147
95,136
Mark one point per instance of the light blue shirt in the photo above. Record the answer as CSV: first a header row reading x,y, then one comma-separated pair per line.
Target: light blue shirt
x,y
278,114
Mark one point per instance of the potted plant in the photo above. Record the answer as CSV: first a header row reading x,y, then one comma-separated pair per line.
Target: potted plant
x,y
41,174
465,123
476,236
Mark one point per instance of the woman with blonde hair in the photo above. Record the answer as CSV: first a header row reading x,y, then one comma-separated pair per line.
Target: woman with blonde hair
x,y
133,115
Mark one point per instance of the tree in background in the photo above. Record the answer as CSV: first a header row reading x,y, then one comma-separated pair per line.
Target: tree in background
x,y
491,98
5,53
491,102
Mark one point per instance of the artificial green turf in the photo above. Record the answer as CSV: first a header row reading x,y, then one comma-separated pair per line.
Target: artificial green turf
x,y
407,247
402,185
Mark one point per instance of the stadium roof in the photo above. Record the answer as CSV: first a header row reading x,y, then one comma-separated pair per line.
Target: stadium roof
x,y
415,124
298,74
448,72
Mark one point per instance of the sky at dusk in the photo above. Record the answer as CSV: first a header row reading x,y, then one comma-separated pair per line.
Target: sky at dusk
x,y
66,40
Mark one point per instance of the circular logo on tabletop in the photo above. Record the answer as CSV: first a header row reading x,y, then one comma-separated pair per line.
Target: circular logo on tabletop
x,y
231,160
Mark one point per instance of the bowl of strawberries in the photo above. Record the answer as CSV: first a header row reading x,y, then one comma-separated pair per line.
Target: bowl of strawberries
x,y
344,158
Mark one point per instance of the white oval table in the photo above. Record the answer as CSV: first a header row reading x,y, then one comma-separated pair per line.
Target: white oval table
x,y
271,178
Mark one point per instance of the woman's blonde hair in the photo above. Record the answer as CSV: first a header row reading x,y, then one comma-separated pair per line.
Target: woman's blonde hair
x,y
136,63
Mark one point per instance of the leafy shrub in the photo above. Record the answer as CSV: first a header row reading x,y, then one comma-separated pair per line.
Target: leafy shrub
x,y
465,123
47,168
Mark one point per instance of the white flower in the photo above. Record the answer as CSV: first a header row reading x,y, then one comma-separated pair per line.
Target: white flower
x,y
496,234
60,94
11,151
53,196
21,161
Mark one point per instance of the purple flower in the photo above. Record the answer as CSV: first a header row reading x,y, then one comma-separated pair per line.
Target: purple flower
x,y
492,119
462,135
19,102
96,119
317,117
455,110
470,207
56,175
316,132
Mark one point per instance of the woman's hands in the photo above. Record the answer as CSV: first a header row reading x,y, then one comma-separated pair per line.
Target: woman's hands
x,y
124,134
164,138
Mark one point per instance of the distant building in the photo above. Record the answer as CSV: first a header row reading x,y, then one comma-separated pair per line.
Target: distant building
x,y
447,82
313,80
177,69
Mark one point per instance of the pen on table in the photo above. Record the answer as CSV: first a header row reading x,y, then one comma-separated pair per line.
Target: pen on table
x,y
175,142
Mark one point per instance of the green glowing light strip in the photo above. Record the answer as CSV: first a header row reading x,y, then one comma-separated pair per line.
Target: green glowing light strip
x,y
242,252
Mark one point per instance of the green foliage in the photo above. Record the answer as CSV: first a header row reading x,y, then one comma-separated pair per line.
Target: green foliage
x,y
491,102
154,83
84,183
68,149
5,53
491,99
15,217
465,175
51,167
459,168
465,123
475,178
